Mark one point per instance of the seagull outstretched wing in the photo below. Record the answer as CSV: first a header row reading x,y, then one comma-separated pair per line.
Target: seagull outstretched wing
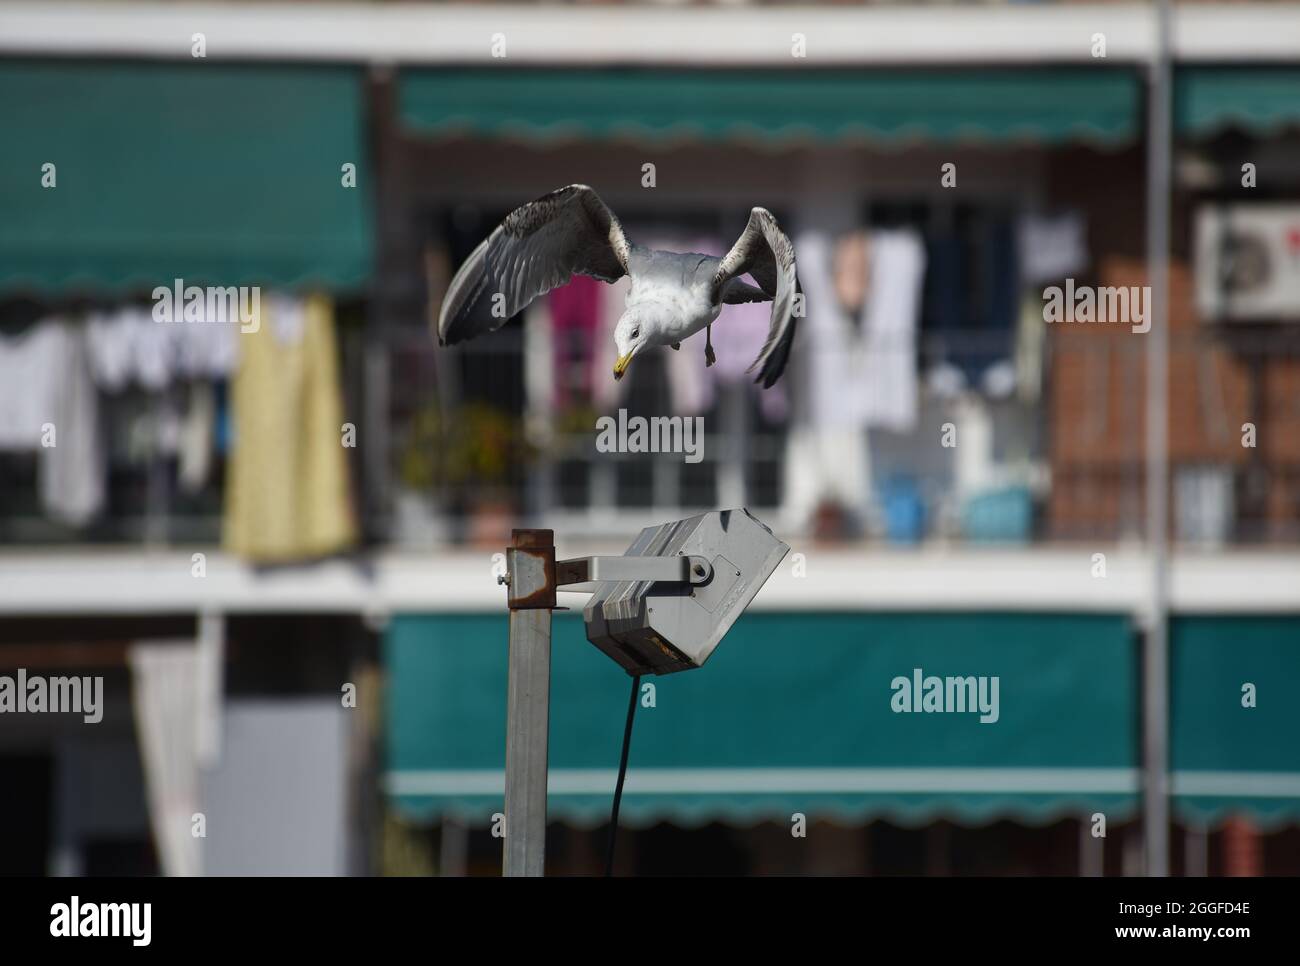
x,y
538,247
764,251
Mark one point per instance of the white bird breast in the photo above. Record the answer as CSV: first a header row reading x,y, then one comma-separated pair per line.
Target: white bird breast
x,y
671,312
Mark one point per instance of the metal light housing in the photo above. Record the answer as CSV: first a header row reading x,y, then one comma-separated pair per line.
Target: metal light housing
x,y
662,626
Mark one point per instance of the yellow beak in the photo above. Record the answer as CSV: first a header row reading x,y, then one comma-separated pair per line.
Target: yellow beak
x,y
620,367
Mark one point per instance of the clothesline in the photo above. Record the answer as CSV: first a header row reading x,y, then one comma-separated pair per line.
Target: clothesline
x,y
287,493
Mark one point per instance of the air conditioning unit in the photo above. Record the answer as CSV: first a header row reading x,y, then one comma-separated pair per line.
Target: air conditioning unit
x,y
1248,262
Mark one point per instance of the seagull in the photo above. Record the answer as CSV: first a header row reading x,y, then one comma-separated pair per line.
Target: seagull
x,y
673,295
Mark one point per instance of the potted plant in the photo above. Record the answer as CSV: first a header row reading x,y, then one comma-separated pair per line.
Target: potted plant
x,y
470,458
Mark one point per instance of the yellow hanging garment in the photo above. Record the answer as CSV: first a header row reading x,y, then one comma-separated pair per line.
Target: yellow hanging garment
x,y
287,488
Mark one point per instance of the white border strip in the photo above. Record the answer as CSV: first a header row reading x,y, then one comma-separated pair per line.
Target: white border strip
x,y
433,33
758,781
1048,579
1229,784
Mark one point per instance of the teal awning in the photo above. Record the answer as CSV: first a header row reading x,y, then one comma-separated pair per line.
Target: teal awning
x,y
1261,100
216,174
791,714
1228,757
775,106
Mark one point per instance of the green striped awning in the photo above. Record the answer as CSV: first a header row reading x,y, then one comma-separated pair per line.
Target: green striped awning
x,y
216,174
1227,756
793,713
775,106
1262,100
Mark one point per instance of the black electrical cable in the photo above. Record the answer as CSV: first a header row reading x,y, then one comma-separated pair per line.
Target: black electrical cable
x,y
622,773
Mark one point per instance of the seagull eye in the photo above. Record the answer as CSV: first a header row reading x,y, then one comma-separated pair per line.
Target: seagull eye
x,y
636,332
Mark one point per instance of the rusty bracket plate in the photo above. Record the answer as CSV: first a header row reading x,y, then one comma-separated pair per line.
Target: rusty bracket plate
x,y
530,563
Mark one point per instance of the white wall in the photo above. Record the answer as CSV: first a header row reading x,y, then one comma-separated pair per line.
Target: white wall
x,y
277,802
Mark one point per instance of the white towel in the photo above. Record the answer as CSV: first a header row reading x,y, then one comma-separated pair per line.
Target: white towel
x,y
48,404
884,382
864,375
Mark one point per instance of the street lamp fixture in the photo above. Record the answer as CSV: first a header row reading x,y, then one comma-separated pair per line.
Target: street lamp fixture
x,y
661,607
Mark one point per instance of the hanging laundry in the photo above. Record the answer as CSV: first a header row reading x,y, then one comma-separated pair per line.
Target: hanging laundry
x,y
864,370
195,443
852,271
287,487
575,322
73,473
156,349
1052,247
826,456
29,368
48,405
825,463
129,347
830,375
109,337
207,349
165,699
887,378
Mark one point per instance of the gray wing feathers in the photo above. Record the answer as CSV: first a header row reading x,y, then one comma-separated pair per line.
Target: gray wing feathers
x,y
736,292
764,251
538,247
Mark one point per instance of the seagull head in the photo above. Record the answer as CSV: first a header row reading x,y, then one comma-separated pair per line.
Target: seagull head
x,y
630,337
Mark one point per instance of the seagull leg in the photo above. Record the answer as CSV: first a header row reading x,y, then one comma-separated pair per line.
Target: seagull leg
x,y
709,357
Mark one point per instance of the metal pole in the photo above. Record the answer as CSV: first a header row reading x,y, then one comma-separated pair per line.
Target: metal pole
x,y
531,578
527,726
1155,657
